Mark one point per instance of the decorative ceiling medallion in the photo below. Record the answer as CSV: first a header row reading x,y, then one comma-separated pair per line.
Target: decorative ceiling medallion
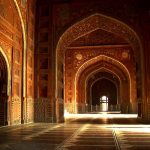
x,y
125,55
79,56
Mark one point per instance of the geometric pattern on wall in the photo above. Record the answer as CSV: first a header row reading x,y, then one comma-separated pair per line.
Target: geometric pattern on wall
x,y
42,111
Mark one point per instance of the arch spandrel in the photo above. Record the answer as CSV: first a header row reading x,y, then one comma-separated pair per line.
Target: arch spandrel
x,y
94,22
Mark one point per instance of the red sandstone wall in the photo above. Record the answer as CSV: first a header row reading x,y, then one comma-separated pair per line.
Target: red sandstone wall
x,y
12,43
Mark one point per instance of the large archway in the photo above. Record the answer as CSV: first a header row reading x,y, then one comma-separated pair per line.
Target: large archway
x,y
86,26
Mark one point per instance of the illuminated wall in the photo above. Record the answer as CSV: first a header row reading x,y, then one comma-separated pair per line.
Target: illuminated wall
x,y
13,44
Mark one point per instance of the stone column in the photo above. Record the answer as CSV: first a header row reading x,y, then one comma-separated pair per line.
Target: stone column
x,y
59,110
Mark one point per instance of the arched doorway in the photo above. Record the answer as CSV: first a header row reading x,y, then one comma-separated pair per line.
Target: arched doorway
x,y
104,74
3,91
104,95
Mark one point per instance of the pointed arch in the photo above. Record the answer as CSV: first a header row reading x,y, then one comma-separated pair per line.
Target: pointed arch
x,y
102,69
94,60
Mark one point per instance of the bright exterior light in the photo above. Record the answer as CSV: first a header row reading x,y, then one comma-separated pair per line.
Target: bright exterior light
x,y
104,98
101,115
104,103
66,113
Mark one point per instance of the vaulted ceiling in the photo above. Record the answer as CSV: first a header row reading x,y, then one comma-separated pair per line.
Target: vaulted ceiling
x,y
99,37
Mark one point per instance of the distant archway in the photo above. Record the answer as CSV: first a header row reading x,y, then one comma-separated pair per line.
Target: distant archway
x,y
91,75
98,59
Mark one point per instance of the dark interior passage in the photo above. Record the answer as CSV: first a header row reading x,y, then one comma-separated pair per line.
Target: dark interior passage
x,y
104,89
3,91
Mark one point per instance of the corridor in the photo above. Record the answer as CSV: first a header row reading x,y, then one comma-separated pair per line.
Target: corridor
x,y
79,132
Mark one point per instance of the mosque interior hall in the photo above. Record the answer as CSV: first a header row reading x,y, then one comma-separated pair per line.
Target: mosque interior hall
x,y
74,75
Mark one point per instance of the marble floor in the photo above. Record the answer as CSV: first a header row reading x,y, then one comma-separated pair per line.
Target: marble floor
x,y
79,132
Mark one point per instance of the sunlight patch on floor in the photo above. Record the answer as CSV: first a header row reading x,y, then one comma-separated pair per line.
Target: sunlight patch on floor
x,y
100,115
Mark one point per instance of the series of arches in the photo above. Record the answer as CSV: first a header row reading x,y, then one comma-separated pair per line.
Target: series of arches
x,y
101,61
85,26
81,28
